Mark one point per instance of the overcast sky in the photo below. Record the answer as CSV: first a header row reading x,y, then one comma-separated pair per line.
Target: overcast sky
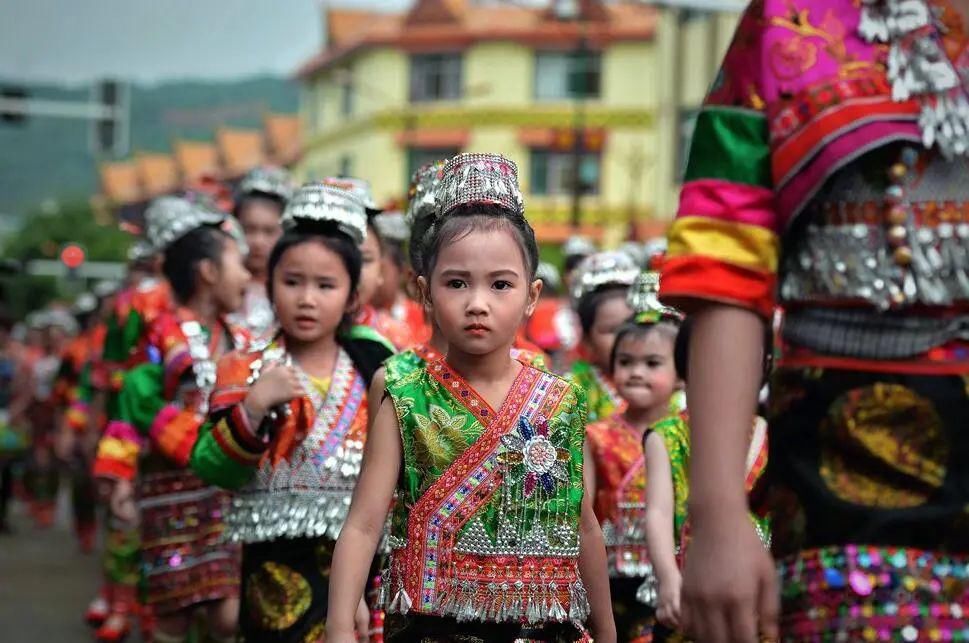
x,y
76,41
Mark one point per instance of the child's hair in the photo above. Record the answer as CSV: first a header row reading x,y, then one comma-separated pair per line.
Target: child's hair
x,y
183,256
634,329
334,241
372,229
465,219
681,352
416,247
571,261
276,200
589,304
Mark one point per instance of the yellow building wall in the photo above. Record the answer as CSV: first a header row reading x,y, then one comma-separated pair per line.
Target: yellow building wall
x,y
499,74
651,80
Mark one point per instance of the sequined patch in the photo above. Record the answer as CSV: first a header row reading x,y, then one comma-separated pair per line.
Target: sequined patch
x,y
317,634
277,596
883,446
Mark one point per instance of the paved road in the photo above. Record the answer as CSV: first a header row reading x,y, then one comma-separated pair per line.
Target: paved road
x,y
45,582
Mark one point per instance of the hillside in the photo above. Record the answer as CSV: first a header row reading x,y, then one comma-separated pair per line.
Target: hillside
x,y
46,158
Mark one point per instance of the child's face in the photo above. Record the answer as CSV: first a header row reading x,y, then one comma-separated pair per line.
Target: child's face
x,y
644,372
612,312
390,275
370,275
311,291
480,291
231,279
259,219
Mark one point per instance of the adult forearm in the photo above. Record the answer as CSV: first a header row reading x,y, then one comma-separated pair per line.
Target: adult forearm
x,y
726,357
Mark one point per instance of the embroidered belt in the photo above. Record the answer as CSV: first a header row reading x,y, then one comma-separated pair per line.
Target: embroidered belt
x,y
499,589
868,334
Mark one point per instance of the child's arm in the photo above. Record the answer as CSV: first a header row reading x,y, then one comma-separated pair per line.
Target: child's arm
x,y
365,523
659,530
593,568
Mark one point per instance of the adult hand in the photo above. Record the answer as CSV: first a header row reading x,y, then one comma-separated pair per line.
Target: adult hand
x,y
730,592
668,602
361,621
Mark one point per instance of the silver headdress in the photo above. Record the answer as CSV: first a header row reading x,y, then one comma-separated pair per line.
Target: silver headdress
x,y
392,226
577,245
602,269
422,195
141,250
549,274
85,303
479,179
635,251
106,288
322,202
359,188
643,298
169,218
269,180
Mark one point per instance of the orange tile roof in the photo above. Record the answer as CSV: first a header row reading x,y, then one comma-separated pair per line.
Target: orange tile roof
x,y
344,24
157,173
195,159
119,182
283,137
456,23
240,150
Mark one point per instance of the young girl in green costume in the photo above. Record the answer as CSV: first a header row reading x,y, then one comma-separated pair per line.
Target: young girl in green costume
x,y
492,536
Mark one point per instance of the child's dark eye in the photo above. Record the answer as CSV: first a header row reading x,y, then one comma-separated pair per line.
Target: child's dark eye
x,y
324,285
502,285
291,282
654,363
455,283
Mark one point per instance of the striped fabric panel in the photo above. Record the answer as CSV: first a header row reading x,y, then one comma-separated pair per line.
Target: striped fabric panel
x,y
174,432
723,245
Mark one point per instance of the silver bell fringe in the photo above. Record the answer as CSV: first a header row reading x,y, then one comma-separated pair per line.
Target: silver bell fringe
x,y
267,516
919,67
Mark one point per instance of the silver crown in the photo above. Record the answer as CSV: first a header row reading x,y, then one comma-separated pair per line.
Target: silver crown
x,y
549,274
577,245
169,218
479,179
422,195
643,298
270,180
360,188
141,250
612,268
392,226
324,203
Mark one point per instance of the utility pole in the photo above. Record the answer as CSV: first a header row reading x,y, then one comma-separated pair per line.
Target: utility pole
x,y
580,79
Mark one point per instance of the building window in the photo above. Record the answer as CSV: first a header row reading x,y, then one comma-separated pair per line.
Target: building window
x,y
552,172
435,77
686,124
348,97
562,75
346,165
420,156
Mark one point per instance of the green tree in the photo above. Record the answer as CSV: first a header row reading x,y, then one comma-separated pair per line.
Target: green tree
x,y
42,236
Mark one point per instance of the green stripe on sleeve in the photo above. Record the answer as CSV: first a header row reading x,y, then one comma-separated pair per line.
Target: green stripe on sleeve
x,y
731,145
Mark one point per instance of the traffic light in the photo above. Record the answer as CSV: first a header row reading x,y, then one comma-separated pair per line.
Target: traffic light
x,y
109,132
10,97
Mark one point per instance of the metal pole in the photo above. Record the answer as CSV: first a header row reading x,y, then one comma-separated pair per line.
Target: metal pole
x,y
55,108
578,126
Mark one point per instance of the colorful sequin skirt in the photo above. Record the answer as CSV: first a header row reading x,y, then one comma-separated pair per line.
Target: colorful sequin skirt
x,y
285,590
436,629
869,489
183,558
